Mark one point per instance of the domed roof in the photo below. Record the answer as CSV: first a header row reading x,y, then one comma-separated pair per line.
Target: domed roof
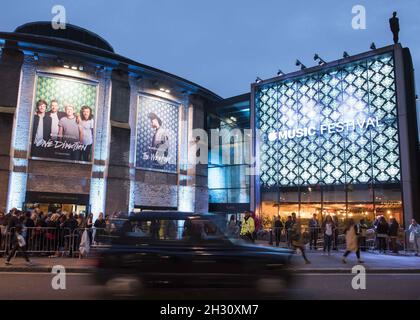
x,y
71,32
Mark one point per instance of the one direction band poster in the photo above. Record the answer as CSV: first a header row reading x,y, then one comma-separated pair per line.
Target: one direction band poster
x,y
157,134
63,122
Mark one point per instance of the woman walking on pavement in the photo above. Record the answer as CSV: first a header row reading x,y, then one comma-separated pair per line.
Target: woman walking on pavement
x,y
352,243
296,237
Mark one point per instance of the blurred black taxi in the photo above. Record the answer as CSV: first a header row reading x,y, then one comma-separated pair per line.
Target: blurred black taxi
x,y
184,250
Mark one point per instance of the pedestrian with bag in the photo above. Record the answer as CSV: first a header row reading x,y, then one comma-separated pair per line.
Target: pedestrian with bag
x,y
414,237
18,244
352,243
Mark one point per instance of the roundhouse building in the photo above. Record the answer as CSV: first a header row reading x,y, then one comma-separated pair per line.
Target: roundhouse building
x,y
85,129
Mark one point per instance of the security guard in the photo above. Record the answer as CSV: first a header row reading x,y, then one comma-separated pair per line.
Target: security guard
x,y
248,227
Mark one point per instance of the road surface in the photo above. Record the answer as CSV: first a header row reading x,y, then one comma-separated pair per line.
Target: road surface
x,y
15,286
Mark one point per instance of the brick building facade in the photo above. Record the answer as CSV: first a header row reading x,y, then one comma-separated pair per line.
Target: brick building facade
x,y
111,181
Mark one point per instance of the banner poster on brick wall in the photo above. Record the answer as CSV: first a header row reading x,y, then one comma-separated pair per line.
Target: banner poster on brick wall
x,y
63,119
157,134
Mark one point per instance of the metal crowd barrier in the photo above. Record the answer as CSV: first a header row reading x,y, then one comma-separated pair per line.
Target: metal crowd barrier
x,y
97,237
57,241
338,240
64,241
38,239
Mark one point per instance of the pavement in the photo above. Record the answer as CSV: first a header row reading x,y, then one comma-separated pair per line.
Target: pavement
x,y
373,262
45,264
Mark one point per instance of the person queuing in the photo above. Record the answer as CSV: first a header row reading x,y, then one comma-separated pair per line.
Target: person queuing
x,y
278,226
328,228
288,227
382,231
232,227
414,236
313,231
362,232
257,224
336,232
46,232
393,235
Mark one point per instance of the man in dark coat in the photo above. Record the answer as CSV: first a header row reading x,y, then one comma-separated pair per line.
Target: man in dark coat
x,y
278,225
393,234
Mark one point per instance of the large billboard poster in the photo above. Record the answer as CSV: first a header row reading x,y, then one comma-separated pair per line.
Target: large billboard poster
x,y
157,134
63,121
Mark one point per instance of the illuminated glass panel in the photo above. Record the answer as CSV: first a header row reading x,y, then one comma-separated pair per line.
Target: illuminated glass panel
x,y
337,126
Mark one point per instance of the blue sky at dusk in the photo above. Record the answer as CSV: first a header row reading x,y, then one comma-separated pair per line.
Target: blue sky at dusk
x,y
224,44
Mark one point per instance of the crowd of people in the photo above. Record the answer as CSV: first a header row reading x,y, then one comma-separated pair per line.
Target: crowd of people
x,y
385,234
56,231
50,232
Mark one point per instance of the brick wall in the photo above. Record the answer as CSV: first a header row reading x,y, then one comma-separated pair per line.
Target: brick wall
x,y
156,189
6,125
61,177
10,66
118,181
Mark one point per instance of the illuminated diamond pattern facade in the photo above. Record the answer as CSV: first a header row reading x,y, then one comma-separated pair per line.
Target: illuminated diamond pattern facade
x,y
352,92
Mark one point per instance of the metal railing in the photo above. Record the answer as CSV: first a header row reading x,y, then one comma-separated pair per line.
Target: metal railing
x,y
66,242
371,240
57,241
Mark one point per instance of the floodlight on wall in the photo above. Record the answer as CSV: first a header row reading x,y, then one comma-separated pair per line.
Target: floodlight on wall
x,y
302,66
280,73
258,80
345,54
70,65
319,59
373,46
165,90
